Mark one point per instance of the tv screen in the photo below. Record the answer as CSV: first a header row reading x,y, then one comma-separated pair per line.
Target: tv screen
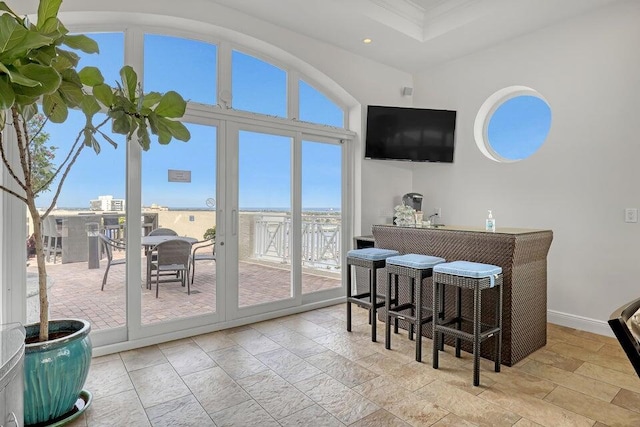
x,y
415,134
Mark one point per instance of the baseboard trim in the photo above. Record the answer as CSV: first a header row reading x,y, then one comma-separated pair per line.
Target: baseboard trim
x,y
579,322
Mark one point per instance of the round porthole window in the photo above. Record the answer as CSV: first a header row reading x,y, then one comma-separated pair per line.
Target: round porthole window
x,y
512,124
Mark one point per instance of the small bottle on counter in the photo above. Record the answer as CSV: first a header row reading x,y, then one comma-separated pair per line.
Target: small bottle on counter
x,y
490,224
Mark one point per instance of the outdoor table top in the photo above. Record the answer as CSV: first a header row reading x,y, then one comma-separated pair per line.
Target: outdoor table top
x,y
155,240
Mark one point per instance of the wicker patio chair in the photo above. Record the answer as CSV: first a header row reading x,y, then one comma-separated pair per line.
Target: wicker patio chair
x,y
174,256
207,252
163,232
108,245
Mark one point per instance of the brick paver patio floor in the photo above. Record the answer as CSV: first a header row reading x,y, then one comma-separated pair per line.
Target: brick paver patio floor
x,y
75,291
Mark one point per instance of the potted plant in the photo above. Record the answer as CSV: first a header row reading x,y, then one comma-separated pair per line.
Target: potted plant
x,y
39,71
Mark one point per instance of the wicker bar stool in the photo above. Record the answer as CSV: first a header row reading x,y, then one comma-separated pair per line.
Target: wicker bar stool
x,y
371,259
475,276
416,268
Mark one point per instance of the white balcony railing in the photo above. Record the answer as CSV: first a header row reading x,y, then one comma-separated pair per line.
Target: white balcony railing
x,y
320,239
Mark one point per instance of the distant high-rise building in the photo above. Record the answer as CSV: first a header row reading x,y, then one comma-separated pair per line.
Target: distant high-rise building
x,y
107,203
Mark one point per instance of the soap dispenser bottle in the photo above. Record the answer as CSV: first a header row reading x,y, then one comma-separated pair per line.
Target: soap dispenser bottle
x,y
490,224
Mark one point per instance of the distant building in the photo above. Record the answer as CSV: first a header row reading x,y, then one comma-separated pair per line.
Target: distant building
x,y
107,203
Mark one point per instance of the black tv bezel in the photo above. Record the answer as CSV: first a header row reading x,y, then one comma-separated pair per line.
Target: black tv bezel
x,y
407,159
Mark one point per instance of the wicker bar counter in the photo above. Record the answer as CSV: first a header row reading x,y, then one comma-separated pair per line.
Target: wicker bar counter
x,y
522,254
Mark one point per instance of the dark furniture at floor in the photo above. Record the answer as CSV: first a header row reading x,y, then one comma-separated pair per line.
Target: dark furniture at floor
x,y
618,323
173,258
204,250
372,259
522,254
416,268
476,277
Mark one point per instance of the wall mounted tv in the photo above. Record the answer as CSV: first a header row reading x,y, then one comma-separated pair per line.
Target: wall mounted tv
x,y
414,134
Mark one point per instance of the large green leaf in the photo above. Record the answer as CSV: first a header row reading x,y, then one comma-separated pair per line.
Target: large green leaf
x,y
108,138
81,42
53,28
28,111
177,129
121,123
45,55
3,6
130,81
7,96
54,107
71,93
70,75
17,78
16,40
66,59
150,99
104,94
89,106
48,78
47,9
143,135
91,76
171,105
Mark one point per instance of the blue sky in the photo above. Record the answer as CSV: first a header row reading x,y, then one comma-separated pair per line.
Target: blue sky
x,y
265,160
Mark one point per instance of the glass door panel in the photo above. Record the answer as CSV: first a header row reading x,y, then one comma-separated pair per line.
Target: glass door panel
x,y
321,216
264,218
178,201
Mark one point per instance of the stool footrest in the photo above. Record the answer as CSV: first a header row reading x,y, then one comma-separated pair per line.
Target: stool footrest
x,y
364,301
427,315
487,331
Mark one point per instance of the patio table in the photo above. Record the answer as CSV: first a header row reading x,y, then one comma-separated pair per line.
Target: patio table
x,y
149,242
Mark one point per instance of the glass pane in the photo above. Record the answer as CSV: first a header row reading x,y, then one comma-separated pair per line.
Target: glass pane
x,y
258,86
315,107
92,195
195,82
321,216
178,195
264,265
519,126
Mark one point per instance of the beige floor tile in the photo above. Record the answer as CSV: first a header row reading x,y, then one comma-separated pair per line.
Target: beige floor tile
x,y
452,420
175,343
270,327
383,391
107,358
546,355
187,358
244,414
526,423
610,376
254,342
516,379
214,341
467,406
305,328
340,401
380,418
532,408
158,384
81,421
566,335
312,416
344,370
413,376
348,346
381,363
593,408
215,390
628,400
181,412
237,362
142,358
122,409
108,378
613,350
289,366
274,394
570,380
596,358
417,411
298,344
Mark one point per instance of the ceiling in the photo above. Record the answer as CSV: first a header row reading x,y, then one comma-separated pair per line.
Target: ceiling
x,y
413,35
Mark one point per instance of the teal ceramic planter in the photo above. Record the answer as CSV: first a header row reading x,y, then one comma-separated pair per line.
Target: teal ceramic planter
x,y
55,371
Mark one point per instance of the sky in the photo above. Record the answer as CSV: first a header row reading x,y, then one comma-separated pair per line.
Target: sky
x,y
264,160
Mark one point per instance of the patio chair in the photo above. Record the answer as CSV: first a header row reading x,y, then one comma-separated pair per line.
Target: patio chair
x,y
52,238
623,322
207,250
173,257
163,232
108,245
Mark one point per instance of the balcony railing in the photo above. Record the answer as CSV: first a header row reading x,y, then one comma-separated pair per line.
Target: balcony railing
x,y
320,239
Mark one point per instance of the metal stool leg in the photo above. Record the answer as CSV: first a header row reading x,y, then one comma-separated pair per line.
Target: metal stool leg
x,y
387,306
418,304
459,317
436,321
348,296
498,338
374,301
476,336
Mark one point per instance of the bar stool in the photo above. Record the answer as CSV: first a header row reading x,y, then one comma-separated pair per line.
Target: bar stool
x,y
371,259
468,275
416,268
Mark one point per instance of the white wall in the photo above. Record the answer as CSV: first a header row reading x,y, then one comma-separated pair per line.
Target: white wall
x,y
582,178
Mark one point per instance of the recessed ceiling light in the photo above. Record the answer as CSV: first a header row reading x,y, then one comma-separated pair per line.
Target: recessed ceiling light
x,y
366,41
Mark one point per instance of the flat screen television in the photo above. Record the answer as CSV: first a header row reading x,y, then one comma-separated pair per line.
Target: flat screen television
x,y
413,134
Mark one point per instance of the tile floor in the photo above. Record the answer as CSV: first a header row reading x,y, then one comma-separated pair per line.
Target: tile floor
x,y
306,370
